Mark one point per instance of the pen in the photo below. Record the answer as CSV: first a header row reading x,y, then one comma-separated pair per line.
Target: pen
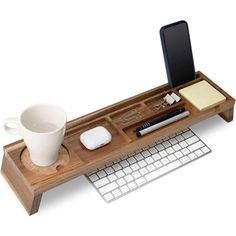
x,y
160,118
162,123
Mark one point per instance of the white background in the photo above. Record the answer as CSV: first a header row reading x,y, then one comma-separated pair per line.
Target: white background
x,y
84,55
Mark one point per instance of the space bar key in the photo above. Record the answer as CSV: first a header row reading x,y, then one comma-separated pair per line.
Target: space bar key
x,y
163,170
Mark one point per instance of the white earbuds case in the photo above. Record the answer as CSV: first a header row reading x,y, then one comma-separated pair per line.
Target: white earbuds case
x,y
95,138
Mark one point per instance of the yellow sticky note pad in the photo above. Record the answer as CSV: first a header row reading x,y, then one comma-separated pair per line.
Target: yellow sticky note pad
x,y
202,95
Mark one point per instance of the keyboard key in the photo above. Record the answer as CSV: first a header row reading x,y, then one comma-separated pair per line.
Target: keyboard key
x,y
172,157
152,150
192,156
173,141
192,140
121,182
166,144
124,189
108,188
93,177
146,153
117,167
205,149
196,146
151,167
184,159
156,157
199,153
132,185
116,193
165,161
127,170
140,181
188,134
149,160
183,144
136,174
163,153
128,178
178,154
124,163
99,183
176,147
112,177
138,157
109,170
134,167
101,174
108,196
170,150
185,151
179,138
157,164
142,163
120,173
163,170
143,171
131,160
159,147
185,130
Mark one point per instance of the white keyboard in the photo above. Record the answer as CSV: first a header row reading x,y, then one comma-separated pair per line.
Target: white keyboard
x,y
142,166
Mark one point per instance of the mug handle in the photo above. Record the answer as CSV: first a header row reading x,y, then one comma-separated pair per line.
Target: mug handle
x,y
11,121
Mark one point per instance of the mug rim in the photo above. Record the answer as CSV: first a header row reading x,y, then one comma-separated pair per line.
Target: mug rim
x,y
48,105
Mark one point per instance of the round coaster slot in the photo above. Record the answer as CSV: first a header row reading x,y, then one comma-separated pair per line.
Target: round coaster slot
x,y
63,160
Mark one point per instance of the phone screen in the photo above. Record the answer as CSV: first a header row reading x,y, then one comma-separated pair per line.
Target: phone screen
x,y
177,53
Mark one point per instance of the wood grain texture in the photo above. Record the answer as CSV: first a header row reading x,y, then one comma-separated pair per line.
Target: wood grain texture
x,y
121,119
63,160
20,185
228,115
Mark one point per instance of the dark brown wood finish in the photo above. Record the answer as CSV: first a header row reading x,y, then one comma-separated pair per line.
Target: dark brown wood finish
x,y
120,119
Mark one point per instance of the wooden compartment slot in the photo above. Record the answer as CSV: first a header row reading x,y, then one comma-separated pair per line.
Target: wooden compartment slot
x,y
93,155
128,115
121,119
130,130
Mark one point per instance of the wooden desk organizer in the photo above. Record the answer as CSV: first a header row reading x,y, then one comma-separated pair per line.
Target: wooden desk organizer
x,y
30,181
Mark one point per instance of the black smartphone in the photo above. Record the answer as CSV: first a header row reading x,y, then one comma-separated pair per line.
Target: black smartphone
x,y
177,52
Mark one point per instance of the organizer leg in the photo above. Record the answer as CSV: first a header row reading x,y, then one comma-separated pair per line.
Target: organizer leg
x,y
16,180
228,115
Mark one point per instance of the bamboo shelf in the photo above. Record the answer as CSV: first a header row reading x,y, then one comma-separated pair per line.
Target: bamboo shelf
x,y
30,181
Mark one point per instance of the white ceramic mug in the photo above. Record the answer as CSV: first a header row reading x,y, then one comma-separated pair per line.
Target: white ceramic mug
x,y
42,127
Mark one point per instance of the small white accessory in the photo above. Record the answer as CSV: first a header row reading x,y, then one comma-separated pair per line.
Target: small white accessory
x,y
169,99
95,138
176,97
